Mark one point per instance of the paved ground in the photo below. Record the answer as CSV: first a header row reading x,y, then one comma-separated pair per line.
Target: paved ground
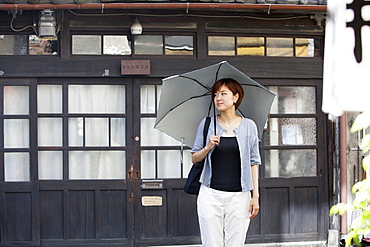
x,y
287,244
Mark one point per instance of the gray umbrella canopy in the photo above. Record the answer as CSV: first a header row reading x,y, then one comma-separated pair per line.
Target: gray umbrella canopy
x,y
185,100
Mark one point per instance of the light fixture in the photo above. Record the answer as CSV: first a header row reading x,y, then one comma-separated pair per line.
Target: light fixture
x,y
47,23
136,27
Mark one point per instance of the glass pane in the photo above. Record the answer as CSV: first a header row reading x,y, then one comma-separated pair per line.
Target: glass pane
x,y
307,47
50,132
39,46
13,44
169,165
149,45
118,132
252,46
282,47
96,99
221,46
75,132
179,45
187,163
153,137
148,170
16,100
17,167
16,133
116,45
97,131
49,98
293,100
147,99
86,45
97,165
290,163
291,131
50,164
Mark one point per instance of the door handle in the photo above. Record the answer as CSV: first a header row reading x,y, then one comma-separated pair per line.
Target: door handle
x,y
132,174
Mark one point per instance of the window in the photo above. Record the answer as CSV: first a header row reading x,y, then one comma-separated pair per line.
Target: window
x,y
95,125
282,47
149,45
158,45
291,136
253,46
101,45
263,46
179,45
221,46
160,155
86,45
27,45
16,133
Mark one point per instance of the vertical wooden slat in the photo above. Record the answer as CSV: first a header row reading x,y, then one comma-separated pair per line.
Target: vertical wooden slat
x,y
51,215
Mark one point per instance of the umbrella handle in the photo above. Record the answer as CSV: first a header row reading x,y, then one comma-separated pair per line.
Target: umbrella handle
x,y
182,152
214,117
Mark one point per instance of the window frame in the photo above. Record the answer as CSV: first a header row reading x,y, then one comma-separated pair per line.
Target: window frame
x,y
265,36
131,39
316,116
65,115
28,34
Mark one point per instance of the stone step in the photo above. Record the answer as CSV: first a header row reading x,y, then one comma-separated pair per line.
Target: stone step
x,y
283,244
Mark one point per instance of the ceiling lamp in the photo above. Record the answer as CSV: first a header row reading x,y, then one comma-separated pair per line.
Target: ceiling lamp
x,y
136,27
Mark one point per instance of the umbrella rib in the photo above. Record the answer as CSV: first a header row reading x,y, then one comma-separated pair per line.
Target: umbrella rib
x,y
218,69
193,97
214,106
186,77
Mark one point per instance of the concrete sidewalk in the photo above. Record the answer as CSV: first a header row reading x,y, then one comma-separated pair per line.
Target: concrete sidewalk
x,y
283,244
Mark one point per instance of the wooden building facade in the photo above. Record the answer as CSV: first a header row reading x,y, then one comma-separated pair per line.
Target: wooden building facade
x,y
80,162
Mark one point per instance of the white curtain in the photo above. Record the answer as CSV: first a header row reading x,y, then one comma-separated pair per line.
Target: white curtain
x,y
16,133
85,132
159,164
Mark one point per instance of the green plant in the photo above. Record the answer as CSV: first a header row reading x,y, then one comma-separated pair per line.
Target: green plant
x,y
361,190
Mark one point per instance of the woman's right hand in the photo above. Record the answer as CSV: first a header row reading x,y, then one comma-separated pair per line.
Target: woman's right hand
x,y
213,140
201,154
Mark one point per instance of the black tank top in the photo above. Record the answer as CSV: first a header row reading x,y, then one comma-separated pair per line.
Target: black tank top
x,y
226,168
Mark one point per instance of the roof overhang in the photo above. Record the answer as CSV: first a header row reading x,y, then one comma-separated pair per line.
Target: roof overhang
x,y
179,6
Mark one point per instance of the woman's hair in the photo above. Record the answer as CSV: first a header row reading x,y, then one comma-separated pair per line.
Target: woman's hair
x,y
231,84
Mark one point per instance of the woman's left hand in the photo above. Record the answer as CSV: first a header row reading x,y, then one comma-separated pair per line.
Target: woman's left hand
x,y
253,207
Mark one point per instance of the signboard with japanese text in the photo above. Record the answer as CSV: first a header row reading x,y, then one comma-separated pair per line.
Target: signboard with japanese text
x,y
135,67
347,57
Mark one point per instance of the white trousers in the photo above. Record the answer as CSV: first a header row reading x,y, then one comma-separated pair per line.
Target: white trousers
x,y
223,217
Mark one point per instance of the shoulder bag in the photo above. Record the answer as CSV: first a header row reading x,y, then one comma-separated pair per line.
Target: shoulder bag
x,y
192,184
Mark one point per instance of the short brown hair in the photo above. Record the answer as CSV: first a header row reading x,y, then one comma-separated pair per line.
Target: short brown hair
x,y
231,84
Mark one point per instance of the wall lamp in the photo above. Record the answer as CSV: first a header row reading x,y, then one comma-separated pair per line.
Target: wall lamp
x,y
136,27
47,23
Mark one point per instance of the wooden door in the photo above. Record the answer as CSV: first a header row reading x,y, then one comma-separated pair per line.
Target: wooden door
x,y
293,177
293,180
66,158
165,214
87,198
18,183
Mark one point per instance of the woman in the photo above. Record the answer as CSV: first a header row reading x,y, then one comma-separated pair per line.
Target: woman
x,y
230,173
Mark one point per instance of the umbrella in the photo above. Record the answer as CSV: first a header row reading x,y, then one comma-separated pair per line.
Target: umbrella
x,y
185,100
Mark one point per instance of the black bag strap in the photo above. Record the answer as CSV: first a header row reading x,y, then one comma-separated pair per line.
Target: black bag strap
x,y
205,130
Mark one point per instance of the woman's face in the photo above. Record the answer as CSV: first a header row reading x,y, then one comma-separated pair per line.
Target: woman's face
x,y
224,99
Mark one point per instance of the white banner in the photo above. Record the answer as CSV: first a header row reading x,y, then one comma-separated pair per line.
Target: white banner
x,y
347,57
